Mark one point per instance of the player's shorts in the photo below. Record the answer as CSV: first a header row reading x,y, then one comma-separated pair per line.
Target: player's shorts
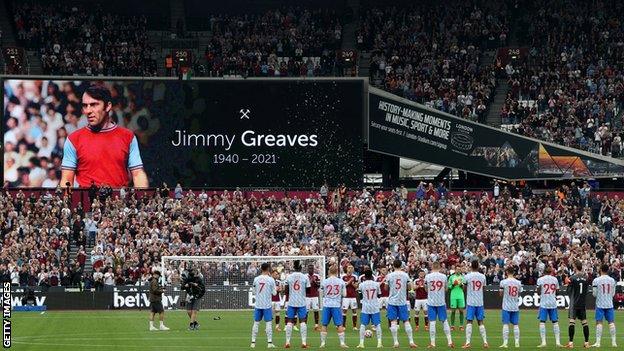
x,y
374,318
420,305
296,312
263,313
156,307
277,305
192,305
349,302
312,303
458,303
383,302
331,313
398,312
512,317
605,313
436,313
473,312
577,313
548,313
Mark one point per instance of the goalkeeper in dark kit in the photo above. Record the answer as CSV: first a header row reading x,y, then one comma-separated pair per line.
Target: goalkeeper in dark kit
x,y
193,284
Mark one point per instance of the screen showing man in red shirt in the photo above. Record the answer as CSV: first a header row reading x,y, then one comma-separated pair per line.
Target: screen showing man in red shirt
x,y
350,301
101,152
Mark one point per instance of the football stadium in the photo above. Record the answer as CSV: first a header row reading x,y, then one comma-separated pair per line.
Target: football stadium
x,y
323,174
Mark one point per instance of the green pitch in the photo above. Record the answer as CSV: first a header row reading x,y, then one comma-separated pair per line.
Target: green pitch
x,y
128,330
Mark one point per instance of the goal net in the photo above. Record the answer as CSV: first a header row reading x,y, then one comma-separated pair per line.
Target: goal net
x,y
228,279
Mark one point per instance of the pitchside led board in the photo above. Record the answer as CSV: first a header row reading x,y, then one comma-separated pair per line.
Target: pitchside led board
x,y
403,128
204,133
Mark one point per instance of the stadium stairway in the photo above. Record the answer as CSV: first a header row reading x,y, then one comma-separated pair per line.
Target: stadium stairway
x,y
176,8
350,26
34,62
500,94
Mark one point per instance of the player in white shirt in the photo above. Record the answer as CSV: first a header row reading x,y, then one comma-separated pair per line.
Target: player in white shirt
x,y
547,287
398,307
333,291
510,289
297,283
436,304
604,290
475,283
370,291
264,290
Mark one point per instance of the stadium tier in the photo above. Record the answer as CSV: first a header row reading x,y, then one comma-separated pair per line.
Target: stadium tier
x,y
227,175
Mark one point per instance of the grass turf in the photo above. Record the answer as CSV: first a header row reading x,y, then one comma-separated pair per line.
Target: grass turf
x,y
128,330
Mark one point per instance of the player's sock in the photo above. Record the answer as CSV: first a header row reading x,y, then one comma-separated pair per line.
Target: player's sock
x,y
461,318
468,332
378,329
505,334
362,330
289,328
432,332
542,331
303,329
316,317
277,321
571,330
354,319
586,332
417,320
324,336
344,320
408,331
151,324
254,331
598,332
447,331
393,329
516,334
268,328
483,333
341,338
612,332
426,320
453,318
557,332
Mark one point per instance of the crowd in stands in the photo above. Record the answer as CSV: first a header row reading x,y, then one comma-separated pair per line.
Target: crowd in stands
x,y
131,231
85,39
432,53
573,75
290,42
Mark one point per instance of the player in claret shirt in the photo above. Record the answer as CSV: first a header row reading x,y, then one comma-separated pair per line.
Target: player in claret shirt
x,y
102,152
350,301
420,302
312,295
385,291
276,300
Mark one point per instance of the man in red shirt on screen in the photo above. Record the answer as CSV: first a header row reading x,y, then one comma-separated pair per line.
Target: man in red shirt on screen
x,y
101,152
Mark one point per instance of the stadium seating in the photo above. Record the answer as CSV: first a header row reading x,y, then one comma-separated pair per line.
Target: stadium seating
x,y
572,75
130,233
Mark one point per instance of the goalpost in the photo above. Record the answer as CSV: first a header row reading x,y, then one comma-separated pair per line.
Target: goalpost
x,y
228,279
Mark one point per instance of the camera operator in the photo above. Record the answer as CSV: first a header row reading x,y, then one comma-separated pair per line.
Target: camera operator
x,y
193,284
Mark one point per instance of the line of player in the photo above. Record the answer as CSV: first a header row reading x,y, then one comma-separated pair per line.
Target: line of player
x,y
391,291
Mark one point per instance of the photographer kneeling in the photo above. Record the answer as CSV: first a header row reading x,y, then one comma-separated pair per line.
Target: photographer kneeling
x,y
195,289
